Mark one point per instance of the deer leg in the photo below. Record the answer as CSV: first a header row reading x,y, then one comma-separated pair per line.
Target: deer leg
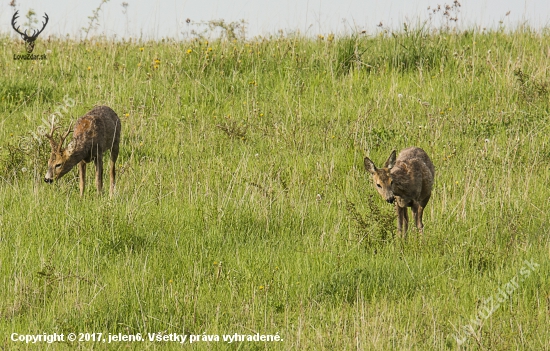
x,y
99,172
416,210
82,175
421,205
419,223
405,221
402,220
112,179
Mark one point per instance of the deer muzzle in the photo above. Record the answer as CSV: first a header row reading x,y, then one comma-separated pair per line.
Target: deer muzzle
x,y
48,180
391,199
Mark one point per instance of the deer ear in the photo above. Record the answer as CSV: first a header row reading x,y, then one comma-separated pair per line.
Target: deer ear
x,y
369,166
391,161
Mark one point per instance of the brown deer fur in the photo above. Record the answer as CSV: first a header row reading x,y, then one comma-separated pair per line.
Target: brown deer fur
x,y
94,133
407,181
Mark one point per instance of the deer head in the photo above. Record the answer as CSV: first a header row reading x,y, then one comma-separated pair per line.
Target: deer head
x,y
29,39
382,177
57,164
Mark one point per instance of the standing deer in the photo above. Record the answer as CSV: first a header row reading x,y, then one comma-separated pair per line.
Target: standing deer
x,y
407,181
94,133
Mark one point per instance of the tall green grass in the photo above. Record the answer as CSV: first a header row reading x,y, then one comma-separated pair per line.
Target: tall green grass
x,y
242,205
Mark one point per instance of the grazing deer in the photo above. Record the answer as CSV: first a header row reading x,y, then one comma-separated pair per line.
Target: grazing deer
x,y
407,181
94,133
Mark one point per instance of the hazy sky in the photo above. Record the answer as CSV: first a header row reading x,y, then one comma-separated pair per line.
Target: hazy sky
x,y
153,19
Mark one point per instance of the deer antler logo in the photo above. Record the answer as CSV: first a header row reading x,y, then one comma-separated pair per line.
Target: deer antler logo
x,y
29,39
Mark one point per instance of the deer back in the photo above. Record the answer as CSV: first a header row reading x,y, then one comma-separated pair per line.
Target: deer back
x,y
95,132
413,175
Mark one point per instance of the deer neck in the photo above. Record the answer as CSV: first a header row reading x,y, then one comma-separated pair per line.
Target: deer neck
x,y
71,154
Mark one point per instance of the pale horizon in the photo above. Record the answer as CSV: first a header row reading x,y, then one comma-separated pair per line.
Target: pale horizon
x,y
154,20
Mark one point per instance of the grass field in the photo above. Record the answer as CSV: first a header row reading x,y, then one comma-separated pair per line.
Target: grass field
x,y
242,204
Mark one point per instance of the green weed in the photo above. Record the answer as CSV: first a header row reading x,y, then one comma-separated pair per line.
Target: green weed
x,y
242,204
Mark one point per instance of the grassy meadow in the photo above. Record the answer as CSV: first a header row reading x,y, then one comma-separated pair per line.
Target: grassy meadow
x,y
242,204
